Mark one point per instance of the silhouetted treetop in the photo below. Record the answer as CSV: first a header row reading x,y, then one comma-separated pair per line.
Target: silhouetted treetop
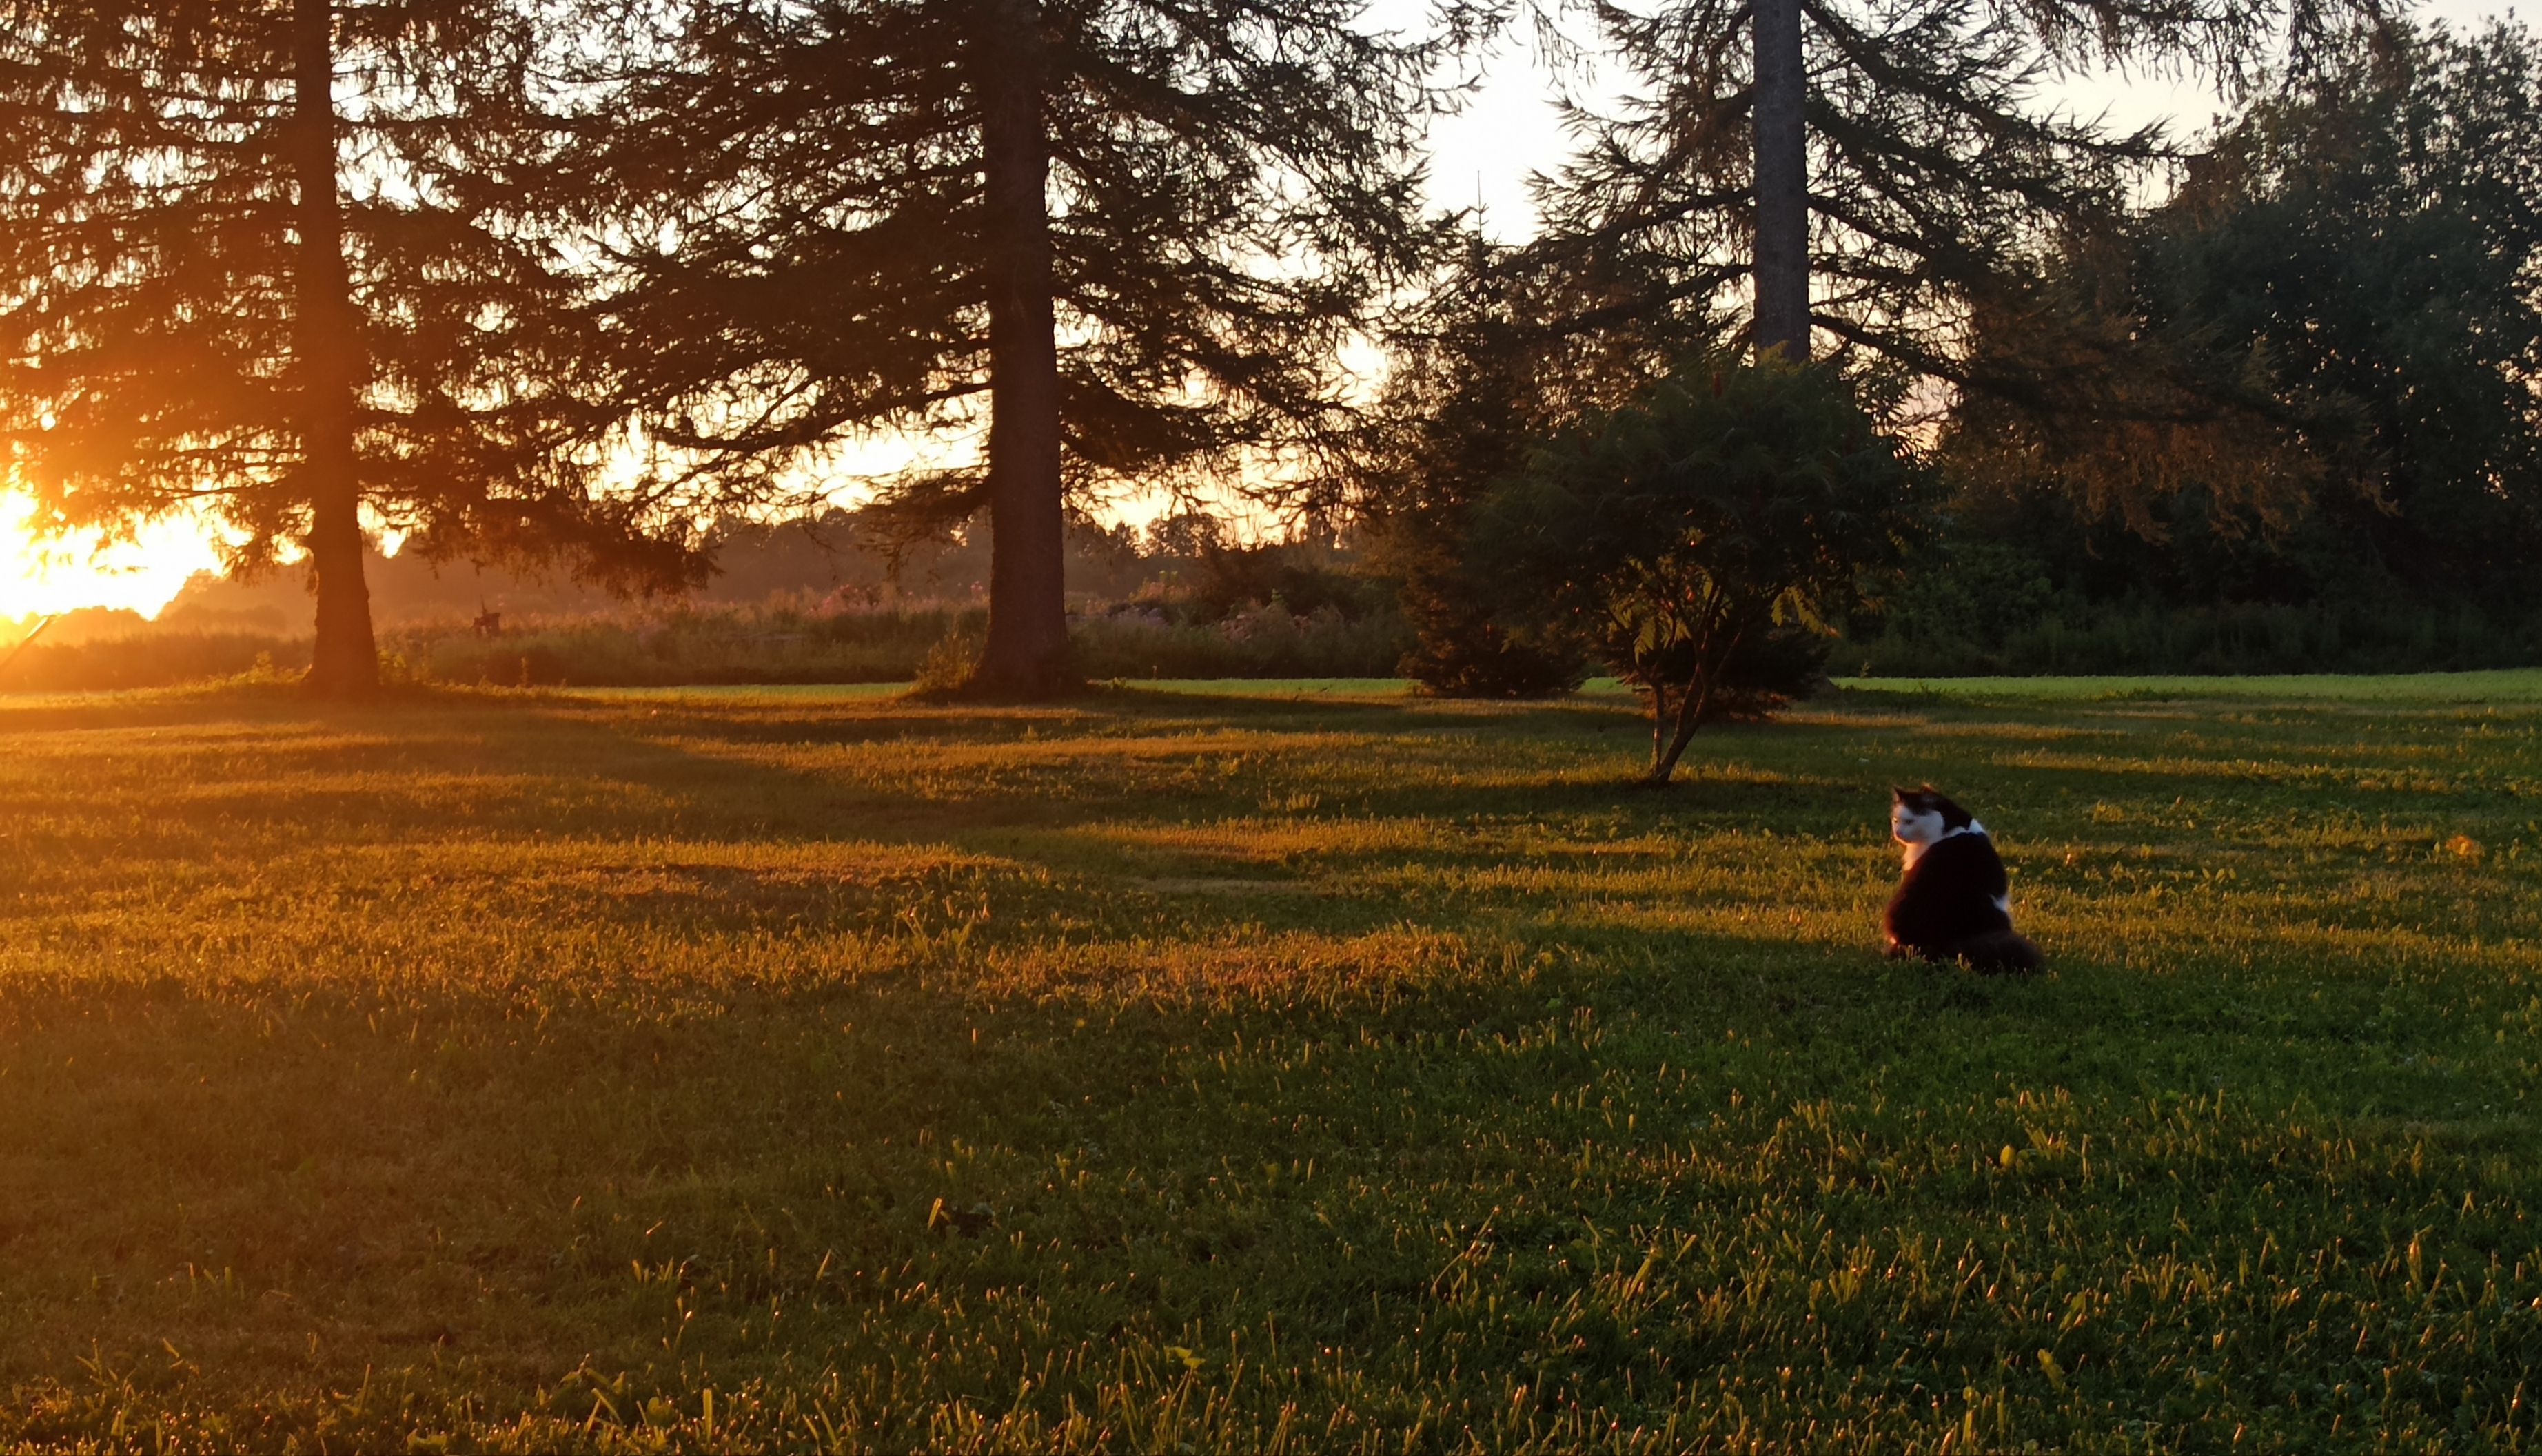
x,y
1143,229
1936,164
251,265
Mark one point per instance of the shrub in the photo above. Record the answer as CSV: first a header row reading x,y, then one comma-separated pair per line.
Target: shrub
x,y
1460,651
1264,641
950,664
2077,636
148,659
1682,534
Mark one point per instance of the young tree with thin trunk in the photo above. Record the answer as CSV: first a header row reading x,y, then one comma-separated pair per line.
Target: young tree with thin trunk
x,y
1128,237
1703,536
259,262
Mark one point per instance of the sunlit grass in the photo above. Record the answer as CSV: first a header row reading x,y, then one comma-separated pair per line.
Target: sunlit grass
x,y
1307,1067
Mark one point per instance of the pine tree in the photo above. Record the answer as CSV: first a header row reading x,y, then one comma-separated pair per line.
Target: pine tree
x,y
1862,169
1128,236
254,263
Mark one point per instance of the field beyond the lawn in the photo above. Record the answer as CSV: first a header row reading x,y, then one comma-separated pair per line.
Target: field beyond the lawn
x,y
1293,1068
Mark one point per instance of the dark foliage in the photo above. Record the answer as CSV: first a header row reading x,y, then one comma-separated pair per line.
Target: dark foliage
x,y
1232,579
225,291
2342,323
2286,423
1935,159
1511,347
1461,650
1129,235
1770,670
2075,635
1692,534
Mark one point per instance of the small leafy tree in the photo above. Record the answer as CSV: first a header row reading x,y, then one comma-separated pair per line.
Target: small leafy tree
x,y
1694,536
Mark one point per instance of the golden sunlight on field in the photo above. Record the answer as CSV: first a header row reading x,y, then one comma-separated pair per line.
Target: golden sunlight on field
x,y
750,1071
47,576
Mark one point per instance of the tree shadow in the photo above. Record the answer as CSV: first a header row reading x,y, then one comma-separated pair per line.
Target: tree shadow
x,y
736,1108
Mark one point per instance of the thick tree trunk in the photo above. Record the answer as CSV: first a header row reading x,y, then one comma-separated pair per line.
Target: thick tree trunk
x,y
344,661
1782,265
1027,655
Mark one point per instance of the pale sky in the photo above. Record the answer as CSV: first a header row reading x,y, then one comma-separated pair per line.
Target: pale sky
x,y
1484,155
1486,152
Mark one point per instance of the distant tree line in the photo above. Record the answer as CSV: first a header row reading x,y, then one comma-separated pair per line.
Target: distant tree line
x,y
2284,417
827,599
1185,566
2317,360
1836,323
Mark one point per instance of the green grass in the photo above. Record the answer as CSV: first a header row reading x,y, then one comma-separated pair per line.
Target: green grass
x,y
793,1070
2507,685
1277,687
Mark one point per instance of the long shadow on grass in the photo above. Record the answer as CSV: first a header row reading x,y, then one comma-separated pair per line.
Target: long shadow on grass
x,y
1078,841
1145,1144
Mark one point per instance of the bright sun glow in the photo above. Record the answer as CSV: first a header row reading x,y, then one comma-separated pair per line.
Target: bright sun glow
x,y
48,577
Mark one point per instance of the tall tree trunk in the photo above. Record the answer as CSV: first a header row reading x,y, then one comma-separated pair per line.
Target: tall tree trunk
x,y
1782,264
344,661
1027,655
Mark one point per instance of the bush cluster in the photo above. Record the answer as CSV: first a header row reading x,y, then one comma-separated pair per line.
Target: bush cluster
x,y
150,659
775,643
1987,610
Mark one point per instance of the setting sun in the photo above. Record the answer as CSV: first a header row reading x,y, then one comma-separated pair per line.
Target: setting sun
x,y
1028,727
44,577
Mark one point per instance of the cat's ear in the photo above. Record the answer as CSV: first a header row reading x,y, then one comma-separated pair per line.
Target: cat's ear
x,y
1929,789
1897,795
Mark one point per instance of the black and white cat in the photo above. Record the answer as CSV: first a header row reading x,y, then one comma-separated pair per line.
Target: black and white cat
x,y
1955,901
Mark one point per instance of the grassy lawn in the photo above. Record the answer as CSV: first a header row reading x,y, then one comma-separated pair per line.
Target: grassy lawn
x,y
2502,686
1304,1067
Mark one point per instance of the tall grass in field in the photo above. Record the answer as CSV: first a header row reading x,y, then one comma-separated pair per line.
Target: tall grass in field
x,y
783,641
156,659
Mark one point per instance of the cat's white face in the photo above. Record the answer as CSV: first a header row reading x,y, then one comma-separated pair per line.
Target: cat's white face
x,y
1909,826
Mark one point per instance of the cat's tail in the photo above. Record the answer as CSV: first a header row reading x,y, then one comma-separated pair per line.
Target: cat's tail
x,y
2001,950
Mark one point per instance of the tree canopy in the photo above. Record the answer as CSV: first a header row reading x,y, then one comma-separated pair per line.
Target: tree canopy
x,y
1923,148
1127,237
2312,369
252,265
